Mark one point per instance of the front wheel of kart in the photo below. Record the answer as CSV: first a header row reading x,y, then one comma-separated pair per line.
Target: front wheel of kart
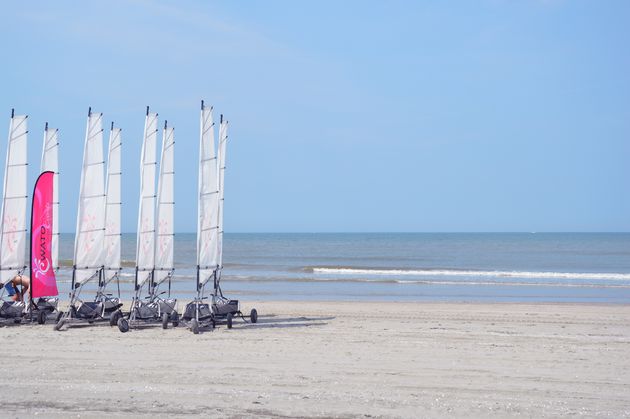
x,y
253,315
113,320
59,316
41,317
60,324
194,326
175,318
229,320
164,321
123,325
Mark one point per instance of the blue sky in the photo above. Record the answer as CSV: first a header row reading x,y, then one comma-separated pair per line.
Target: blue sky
x,y
345,116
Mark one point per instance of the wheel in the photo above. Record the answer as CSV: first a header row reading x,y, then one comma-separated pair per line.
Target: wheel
x,y
59,324
164,321
123,325
229,320
253,315
175,318
194,326
59,316
113,319
41,317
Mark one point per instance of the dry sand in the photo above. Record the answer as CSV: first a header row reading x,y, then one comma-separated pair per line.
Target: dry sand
x,y
333,360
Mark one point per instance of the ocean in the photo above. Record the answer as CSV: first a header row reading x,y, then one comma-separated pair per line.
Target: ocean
x,y
501,267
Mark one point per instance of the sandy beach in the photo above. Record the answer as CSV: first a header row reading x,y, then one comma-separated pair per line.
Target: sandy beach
x,y
351,359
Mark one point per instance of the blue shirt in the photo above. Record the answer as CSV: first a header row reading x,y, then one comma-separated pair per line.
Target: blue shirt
x,y
10,289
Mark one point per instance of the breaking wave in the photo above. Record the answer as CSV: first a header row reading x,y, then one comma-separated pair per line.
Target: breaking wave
x,y
471,273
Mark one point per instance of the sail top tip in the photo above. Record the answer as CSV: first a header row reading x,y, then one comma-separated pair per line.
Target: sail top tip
x,y
147,110
12,112
90,111
202,104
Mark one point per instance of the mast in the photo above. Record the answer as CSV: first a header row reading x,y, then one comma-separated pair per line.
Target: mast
x,y
165,209
13,229
50,162
221,180
89,240
113,205
207,221
145,253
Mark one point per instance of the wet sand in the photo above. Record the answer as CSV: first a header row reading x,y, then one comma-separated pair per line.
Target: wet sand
x,y
350,359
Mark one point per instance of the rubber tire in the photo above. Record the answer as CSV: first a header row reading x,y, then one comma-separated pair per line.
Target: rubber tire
x,y
113,319
41,317
175,318
123,325
194,326
59,316
253,316
229,320
164,321
59,324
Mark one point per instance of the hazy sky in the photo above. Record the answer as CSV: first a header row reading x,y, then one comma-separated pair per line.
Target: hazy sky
x,y
345,115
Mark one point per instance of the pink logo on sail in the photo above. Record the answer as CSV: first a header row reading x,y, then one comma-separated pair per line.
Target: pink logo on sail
x,y
43,281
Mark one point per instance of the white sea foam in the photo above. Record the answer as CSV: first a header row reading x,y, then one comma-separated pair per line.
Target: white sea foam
x,y
473,273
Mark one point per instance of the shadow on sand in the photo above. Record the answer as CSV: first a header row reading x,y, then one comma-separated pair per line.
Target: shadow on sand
x,y
274,321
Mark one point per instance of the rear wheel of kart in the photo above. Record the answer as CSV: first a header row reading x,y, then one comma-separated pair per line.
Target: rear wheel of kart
x,y
59,316
18,320
123,325
194,326
175,318
253,315
73,312
60,324
229,320
41,317
164,321
113,320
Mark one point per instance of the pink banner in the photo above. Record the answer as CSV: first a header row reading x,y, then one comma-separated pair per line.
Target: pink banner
x,y
43,281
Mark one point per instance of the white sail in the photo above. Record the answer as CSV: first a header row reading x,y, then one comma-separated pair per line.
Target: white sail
x,y
89,240
113,204
207,222
145,253
50,162
13,226
165,208
221,175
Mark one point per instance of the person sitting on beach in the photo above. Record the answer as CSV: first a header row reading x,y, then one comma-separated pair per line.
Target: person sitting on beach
x,y
23,282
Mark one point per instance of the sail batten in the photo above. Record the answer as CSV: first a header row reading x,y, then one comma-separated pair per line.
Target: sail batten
x,y
113,205
207,222
13,229
164,245
145,245
89,254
